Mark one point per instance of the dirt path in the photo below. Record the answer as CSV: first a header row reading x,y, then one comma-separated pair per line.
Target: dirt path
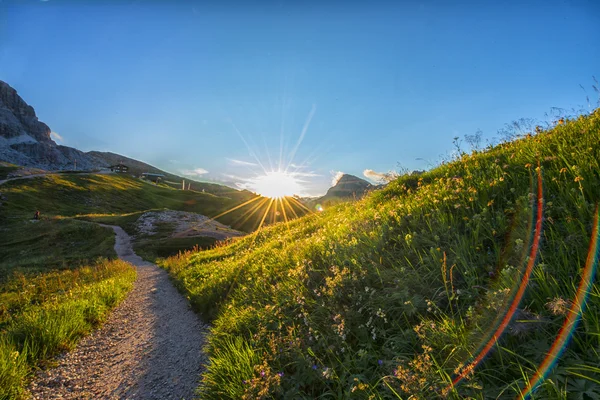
x,y
149,348
3,181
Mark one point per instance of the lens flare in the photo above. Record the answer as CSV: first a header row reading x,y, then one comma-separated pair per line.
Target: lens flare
x,y
518,295
574,316
276,185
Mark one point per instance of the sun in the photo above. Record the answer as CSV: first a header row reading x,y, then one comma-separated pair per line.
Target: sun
x,y
276,185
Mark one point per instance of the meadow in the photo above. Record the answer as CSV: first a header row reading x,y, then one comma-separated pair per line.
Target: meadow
x,y
58,275
475,280
42,315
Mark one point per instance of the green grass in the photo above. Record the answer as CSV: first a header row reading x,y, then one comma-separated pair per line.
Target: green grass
x,y
5,170
154,249
45,314
104,196
389,296
28,246
73,194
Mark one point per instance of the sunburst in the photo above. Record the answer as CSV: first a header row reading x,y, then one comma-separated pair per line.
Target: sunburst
x,y
277,186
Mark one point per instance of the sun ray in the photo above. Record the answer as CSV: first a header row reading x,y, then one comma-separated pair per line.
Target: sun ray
x,y
252,152
285,218
300,204
302,134
313,156
262,221
236,207
268,153
275,209
285,199
248,214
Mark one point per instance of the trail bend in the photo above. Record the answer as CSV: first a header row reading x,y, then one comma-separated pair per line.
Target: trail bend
x,y
150,347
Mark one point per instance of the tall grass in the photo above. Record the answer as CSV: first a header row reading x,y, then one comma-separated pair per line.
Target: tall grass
x,y
392,296
45,314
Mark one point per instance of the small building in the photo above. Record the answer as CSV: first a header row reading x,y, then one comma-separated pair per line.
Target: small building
x,y
152,177
120,167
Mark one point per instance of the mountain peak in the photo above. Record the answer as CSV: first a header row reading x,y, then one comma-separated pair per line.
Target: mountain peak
x,y
347,179
349,186
17,118
25,141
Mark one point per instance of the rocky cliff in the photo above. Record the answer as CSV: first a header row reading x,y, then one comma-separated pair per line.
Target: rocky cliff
x,y
26,141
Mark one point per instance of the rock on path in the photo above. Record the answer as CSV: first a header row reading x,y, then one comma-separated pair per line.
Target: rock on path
x,y
149,348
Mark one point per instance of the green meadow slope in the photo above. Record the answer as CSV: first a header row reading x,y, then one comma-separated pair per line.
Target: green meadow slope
x,y
396,295
67,200
55,282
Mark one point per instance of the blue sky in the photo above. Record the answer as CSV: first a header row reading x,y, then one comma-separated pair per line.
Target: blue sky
x,y
197,85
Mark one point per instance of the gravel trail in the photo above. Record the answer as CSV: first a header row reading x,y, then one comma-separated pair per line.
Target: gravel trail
x,y
150,347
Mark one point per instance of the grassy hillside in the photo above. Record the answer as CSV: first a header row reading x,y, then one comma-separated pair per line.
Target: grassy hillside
x,y
404,292
137,168
45,314
35,246
74,194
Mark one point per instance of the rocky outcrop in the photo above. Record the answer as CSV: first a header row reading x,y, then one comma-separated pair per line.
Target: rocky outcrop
x,y
18,118
26,141
349,186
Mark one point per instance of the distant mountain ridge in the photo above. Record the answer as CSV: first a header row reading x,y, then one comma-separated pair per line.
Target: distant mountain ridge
x,y
138,167
27,142
348,187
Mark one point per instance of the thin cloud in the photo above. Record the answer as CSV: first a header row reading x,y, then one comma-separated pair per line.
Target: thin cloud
x,y
335,177
194,172
376,176
243,163
304,174
56,136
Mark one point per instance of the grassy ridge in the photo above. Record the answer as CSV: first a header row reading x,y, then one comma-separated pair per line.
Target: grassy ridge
x,y
73,194
390,296
95,196
45,314
38,246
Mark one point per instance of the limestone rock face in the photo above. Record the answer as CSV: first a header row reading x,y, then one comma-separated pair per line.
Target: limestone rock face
x,y
18,118
26,141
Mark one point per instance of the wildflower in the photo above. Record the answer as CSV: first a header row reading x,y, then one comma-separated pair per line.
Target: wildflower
x,y
519,244
490,203
578,178
380,362
558,306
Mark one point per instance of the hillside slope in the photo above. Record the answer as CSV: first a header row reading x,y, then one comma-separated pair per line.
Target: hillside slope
x,y
405,292
57,239
138,167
